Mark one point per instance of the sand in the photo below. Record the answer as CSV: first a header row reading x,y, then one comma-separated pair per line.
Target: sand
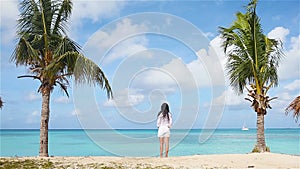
x,y
253,160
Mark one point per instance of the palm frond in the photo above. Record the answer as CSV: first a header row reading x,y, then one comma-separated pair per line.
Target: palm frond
x,y
63,87
252,58
52,57
47,9
294,107
83,69
62,14
34,77
29,17
1,103
65,44
86,71
25,54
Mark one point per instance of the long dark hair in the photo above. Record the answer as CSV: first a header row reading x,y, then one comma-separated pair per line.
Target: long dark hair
x,y
164,110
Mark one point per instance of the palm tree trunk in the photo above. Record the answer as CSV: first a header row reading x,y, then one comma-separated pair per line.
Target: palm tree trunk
x,y
260,124
44,122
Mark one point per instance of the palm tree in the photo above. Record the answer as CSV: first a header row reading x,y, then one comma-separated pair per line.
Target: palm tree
x,y
1,103
50,55
294,106
252,59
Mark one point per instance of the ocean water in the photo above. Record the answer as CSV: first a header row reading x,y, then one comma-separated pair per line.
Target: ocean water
x,y
145,143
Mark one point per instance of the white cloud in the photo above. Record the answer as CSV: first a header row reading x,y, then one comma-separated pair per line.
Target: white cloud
x,y
126,98
230,98
94,10
110,103
283,100
156,79
169,78
209,34
76,112
62,99
9,15
126,48
33,117
206,69
289,67
279,33
112,38
32,96
277,18
295,85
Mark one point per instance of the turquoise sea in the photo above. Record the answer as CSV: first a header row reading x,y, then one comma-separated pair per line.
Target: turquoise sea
x,y
142,142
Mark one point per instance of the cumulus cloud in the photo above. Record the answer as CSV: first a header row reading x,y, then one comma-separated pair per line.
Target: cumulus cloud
x,y
156,79
32,96
283,100
285,96
33,117
279,33
126,98
205,71
76,112
9,15
295,85
62,99
209,68
94,10
120,39
289,67
209,34
126,48
169,78
231,99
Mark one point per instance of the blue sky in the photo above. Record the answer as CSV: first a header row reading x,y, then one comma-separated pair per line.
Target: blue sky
x,y
153,52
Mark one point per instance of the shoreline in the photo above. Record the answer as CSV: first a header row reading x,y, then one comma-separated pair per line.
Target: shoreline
x,y
233,128
252,160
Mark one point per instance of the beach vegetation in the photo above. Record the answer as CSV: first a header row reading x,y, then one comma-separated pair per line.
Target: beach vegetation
x,y
25,164
257,150
106,167
162,167
51,56
252,62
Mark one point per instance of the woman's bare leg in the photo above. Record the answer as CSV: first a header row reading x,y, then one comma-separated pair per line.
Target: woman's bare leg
x,y
167,145
161,146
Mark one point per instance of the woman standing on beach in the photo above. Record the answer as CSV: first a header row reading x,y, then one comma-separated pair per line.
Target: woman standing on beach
x,y
164,123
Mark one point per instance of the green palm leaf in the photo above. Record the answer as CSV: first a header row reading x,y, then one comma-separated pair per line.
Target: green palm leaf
x,y
50,55
252,59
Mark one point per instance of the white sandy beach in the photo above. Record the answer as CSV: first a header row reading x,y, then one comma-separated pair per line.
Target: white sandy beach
x,y
253,160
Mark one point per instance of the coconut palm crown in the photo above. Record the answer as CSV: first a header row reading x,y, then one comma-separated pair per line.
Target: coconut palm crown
x,y
50,55
252,59
295,108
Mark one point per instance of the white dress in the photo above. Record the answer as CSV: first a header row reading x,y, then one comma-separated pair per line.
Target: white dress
x,y
164,125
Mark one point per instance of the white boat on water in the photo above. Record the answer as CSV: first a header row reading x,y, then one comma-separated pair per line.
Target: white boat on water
x,y
245,128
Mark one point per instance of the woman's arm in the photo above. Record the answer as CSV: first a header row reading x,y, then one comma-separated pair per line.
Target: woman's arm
x,y
158,121
170,120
